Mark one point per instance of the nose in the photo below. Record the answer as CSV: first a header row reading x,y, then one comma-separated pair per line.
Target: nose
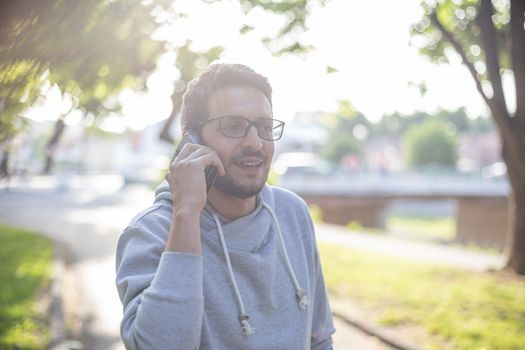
x,y
252,139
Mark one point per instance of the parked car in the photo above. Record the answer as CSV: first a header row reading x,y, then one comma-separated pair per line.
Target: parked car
x,y
301,164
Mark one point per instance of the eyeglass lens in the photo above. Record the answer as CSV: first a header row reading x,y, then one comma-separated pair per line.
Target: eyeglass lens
x,y
267,129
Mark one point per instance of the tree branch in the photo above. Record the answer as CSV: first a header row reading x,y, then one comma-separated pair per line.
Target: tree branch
x,y
459,49
74,105
165,134
488,34
500,118
517,19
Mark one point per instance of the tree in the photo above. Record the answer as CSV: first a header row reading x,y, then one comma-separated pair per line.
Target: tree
x,y
72,37
339,145
288,38
458,118
20,86
430,145
81,48
189,63
341,124
489,36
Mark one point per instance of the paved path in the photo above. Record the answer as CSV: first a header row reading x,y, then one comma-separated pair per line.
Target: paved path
x,y
87,217
85,220
413,250
348,337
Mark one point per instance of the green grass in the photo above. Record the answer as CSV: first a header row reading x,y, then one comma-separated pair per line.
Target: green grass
x,y
25,271
443,308
442,228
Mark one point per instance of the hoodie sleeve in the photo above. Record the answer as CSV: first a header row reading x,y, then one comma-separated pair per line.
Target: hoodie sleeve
x,y
322,324
161,293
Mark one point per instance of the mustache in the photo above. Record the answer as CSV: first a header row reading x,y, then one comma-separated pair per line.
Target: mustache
x,y
250,154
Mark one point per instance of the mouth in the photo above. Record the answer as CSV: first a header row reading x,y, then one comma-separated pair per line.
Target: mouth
x,y
249,164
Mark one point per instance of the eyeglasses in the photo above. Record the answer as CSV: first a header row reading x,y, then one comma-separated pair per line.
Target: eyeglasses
x,y
238,127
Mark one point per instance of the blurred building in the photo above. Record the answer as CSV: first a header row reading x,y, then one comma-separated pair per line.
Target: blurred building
x,y
478,150
305,132
136,155
142,155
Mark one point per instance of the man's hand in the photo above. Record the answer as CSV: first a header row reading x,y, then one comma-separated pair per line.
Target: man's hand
x,y
186,176
187,181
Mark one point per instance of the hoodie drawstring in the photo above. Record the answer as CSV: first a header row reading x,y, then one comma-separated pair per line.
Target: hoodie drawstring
x,y
300,293
302,296
243,317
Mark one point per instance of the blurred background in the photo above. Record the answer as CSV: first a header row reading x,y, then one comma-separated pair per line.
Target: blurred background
x,y
404,133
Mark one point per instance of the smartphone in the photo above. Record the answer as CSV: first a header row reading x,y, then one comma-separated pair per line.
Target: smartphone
x,y
193,137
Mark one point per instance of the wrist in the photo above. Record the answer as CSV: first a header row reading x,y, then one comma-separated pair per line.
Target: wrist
x,y
186,213
184,235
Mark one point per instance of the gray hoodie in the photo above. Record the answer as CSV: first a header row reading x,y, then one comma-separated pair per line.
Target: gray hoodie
x,y
257,285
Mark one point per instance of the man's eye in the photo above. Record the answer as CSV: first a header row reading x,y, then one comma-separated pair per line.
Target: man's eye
x,y
266,129
234,126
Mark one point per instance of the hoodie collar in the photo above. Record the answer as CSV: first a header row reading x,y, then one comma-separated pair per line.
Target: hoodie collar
x,y
248,233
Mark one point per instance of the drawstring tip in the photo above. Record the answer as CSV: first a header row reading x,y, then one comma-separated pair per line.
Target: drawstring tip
x,y
303,299
247,329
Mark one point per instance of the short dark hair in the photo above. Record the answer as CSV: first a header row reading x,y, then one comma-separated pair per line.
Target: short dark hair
x,y
195,100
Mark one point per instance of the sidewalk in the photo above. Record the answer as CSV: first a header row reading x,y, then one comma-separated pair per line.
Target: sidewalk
x,y
85,217
441,254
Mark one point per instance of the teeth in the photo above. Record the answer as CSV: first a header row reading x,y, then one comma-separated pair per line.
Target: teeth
x,y
251,164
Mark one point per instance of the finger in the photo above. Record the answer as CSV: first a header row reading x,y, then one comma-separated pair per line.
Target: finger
x,y
201,157
211,159
189,159
199,152
186,150
189,151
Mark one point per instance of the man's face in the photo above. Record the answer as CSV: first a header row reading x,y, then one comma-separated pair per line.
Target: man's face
x,y
246,160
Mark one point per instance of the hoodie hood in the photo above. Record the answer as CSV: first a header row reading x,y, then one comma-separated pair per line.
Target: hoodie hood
x,y
247,233
162,193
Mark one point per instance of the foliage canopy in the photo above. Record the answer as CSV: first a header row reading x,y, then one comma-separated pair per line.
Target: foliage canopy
x,y
90,49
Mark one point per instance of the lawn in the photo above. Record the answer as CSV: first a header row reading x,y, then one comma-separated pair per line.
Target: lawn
x,y
25,273
441,308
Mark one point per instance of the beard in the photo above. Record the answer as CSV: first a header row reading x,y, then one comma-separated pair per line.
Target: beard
x,y
231,185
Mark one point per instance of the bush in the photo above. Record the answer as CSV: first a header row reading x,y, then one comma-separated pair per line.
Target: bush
x,y
430,144
339,145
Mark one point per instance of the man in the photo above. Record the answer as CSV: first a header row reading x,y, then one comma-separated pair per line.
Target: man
x,y
235,266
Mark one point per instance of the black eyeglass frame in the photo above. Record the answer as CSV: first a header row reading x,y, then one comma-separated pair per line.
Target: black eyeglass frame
x,y
256,124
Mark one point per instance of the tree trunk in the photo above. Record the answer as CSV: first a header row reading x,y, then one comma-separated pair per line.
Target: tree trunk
x,y
4,164
177,104
514,156
511,128
516,249
53,143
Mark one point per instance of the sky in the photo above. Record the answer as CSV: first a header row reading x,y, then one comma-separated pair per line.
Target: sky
x,y
366,41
